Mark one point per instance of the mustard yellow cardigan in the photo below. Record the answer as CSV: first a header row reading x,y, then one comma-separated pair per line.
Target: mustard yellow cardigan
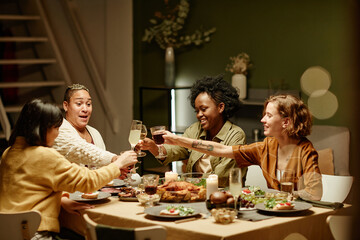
x,y
34,177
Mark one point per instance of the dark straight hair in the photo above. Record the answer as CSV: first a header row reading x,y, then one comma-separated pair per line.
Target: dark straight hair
x,y
36,117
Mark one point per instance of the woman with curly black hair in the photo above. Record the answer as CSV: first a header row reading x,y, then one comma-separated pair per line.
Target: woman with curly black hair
x,y
214,101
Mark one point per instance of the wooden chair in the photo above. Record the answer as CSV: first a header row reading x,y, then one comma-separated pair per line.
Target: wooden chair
x,y
19,225
255,177
340,226
336,188
95,231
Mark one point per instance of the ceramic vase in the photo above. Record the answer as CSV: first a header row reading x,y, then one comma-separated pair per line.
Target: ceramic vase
x,y
239,82
169,67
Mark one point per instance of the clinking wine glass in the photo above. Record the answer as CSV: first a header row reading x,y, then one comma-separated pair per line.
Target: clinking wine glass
x,y
135,132
157,133
142,137
235,184
134,138
151,182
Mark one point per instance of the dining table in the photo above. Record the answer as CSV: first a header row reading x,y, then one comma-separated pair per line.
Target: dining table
x,y
254,224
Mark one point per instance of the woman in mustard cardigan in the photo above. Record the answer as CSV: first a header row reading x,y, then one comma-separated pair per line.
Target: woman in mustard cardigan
x,y
34,176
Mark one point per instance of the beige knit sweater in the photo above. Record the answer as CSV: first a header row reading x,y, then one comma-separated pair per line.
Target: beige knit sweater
x,y
77,150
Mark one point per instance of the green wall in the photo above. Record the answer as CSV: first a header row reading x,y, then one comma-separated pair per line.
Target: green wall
x,y
283,39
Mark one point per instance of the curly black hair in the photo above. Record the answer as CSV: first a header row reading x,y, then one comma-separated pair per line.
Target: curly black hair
x,y
220,91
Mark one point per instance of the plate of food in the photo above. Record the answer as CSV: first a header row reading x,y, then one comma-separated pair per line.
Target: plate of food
x,y
181,191
282,206
128,194
86,197
115,183
253,190
172,211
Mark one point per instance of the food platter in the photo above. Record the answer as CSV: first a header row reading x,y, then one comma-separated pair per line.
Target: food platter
x,y
155,212
299,207
76,196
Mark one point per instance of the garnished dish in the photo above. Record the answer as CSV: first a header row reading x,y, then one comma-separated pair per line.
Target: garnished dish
x,y
84,197
282,206
172,211
274,204
177,210
254,190
181,191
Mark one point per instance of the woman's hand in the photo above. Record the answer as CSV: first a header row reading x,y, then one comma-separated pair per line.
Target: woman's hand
x,y
73,207
126,159
170,138
150,145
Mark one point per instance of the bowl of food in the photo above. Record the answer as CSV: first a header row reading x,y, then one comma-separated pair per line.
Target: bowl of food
x,y
145,199
196,178
224,215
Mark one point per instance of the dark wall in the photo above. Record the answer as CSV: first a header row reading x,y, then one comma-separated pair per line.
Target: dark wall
x,y
283,39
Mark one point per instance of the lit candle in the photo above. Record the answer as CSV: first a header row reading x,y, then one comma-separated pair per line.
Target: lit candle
x,y
211,185
169,176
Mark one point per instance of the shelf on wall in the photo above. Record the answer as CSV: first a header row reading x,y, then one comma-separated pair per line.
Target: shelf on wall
x,y
257,96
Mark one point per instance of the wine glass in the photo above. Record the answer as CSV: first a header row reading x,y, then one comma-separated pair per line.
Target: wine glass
x,y
134,138
235,184
287,177
135,131
157,133
151,182
142,137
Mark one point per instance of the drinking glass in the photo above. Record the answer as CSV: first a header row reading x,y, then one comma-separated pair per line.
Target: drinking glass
x,y
157,133
142,137
151,182
235,184
287,177
135,131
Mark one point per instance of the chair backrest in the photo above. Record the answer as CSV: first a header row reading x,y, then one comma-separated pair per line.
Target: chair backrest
x,y
19,225
336,138
340,226
93,230
295,236
335,188
255,177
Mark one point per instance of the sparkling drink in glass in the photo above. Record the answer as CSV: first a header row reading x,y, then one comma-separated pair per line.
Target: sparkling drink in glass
x,y
235,184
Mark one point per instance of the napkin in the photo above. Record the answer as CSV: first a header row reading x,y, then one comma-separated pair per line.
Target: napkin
x,y
322,204
253,216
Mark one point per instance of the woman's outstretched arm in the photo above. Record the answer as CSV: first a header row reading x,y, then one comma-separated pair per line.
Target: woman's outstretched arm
x,y
208,147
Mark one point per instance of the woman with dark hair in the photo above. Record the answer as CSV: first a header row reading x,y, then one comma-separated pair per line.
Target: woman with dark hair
x,y
77,141
287,121
214,101
33,175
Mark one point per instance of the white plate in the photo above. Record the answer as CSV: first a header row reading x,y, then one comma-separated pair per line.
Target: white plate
x,y
76,196
299,207
155,211
117,183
